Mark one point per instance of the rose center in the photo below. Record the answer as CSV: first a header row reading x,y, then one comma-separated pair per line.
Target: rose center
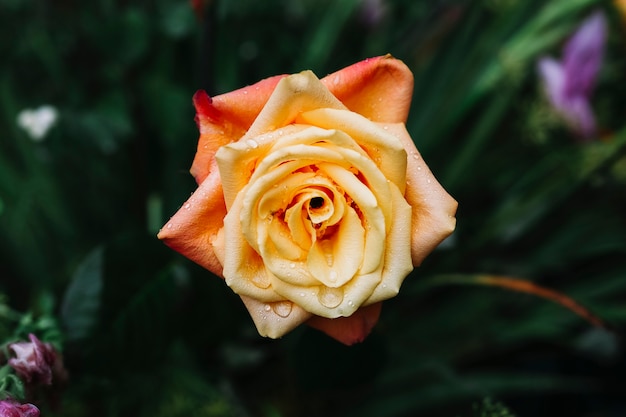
x,y
316,202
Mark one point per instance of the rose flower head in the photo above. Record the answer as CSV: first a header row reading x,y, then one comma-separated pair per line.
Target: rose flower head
x,y
11,408
313,202
34,361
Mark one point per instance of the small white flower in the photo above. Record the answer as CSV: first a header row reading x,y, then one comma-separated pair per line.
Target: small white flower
x,y
37,122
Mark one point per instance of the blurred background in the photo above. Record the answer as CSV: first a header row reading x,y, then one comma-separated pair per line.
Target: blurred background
x,y
96,139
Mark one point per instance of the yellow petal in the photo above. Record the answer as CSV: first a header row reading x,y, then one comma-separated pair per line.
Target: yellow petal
x,y
293,95
275,319
382,147
244,269
398,262
433,208
336,260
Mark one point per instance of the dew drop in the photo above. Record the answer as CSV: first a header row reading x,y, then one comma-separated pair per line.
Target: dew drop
x,y
302,294
267,307
329,259
292,265
415,156
351,303
245,91
332,276
330,297
385,127
252,143
169,225
282,308
260,280
419,168
428,181
187,206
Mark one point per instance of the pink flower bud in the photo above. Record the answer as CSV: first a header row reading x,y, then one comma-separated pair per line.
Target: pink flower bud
x,y
11,408
34,360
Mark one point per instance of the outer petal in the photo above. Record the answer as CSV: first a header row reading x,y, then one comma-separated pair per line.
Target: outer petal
x,y
275,319
349,330
225,118
192,230
433,208
378,88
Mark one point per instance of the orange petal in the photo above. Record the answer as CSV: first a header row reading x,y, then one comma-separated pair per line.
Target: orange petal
x,y
433,208
378,88
349,330
194,227
226,118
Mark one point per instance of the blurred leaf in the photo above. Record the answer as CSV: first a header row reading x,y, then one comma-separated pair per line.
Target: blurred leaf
x,y
81,302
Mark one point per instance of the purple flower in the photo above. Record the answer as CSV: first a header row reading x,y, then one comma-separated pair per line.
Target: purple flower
x,y
11,408
34,360
372,12
569,83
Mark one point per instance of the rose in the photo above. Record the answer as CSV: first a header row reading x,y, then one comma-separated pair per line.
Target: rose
x,y
313,202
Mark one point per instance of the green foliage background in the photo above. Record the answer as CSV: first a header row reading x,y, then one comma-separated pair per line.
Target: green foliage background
x,y
144,332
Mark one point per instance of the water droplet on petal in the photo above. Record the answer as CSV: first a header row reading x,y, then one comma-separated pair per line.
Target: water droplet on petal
x,y
267,307
187,206
332,275
330,297
292,265
385,127
351,303
252,143
261,280
282,308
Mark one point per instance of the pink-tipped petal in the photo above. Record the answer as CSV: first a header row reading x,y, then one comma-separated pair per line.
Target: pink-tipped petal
x,y
226,118
378,88
433,209
194,228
